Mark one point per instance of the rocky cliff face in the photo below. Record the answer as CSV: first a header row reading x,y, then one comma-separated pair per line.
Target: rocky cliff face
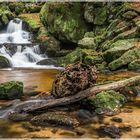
x,y
110,30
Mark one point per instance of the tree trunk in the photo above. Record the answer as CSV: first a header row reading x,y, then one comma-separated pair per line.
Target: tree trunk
x,y
83,94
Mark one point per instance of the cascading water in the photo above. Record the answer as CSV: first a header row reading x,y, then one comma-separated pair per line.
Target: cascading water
x,y
26,56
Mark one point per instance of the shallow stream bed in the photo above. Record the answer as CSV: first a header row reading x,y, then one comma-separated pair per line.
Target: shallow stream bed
x,y
41,80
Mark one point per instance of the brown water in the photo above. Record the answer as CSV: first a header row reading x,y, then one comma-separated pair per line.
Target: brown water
x,y
43,80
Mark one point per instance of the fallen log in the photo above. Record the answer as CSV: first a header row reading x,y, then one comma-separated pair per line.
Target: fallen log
x,y
82,94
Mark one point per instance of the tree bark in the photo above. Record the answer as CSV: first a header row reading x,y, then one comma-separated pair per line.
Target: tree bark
x,y
83,94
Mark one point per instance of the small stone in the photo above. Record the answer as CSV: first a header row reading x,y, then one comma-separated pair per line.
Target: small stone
x,y
116,119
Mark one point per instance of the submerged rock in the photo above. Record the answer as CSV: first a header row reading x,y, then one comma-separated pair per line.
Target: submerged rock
x,y
19,117
11,90
54,118
4,62
110,131
74,78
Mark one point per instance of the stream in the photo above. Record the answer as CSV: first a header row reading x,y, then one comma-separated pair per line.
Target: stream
x,y
37,79
41,80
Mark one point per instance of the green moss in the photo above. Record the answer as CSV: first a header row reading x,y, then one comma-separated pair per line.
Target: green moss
x,y
11,90
106,101
125,59
64,21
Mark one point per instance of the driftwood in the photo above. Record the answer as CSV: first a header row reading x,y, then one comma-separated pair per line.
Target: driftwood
x,y
82,95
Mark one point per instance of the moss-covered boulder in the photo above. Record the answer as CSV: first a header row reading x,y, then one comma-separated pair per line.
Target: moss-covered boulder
x,y
64,21
76,77
119,48
87,43
32,20
87,56
4,62
125,59
106,102
134,65
11,90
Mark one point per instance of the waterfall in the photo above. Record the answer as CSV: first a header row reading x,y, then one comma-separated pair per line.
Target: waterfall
x,y
15,34
23,55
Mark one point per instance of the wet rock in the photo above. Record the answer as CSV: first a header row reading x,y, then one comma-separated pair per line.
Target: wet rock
x,y
4,62
80,131
28,126
110,131
71,27
53,118
74,78
127,110
47,62
16,117
125,59
11,90
84,115
116,119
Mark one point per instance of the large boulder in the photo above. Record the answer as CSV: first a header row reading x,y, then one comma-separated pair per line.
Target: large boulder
x,y
11,90
76,77
125,59
4,62
64,21
106,102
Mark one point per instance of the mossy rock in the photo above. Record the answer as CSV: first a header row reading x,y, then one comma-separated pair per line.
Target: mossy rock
x,y
106,102
32,20
17,7
87,56
134,65
64,21
125,59
50,45
4,62
118,48
5,14
87,43
130,15
11,90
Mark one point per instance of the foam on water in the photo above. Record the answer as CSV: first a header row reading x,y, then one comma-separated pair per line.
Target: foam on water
x,y
26,57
